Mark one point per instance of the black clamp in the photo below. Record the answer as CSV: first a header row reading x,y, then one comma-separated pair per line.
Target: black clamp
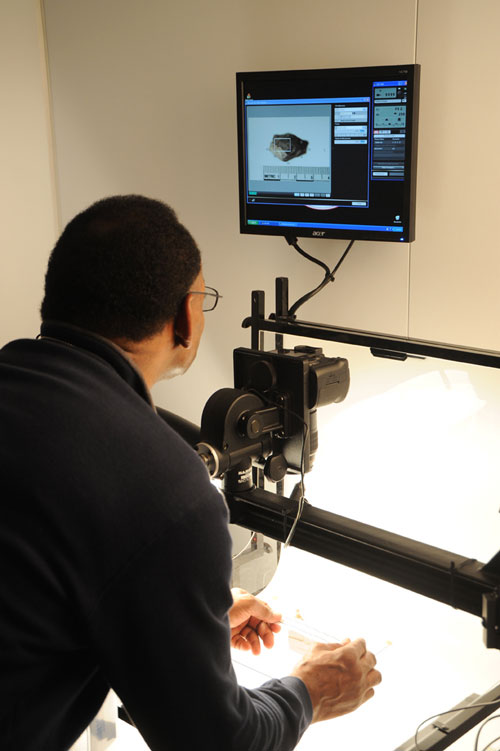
x,y
491,619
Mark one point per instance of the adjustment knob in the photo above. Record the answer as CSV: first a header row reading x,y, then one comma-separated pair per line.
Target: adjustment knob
x,y
275,468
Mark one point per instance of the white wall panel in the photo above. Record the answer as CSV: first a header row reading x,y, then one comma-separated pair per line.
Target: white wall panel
x,y
144,101
27,195
455,261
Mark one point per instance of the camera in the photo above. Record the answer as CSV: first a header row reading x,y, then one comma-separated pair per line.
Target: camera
x,y
268,419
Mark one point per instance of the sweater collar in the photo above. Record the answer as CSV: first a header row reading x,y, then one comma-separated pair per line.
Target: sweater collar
x,y
100,347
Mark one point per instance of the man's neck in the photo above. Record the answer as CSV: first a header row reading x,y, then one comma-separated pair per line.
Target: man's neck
x,y
154,357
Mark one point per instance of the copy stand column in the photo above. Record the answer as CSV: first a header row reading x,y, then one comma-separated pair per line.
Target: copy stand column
x,y
239,478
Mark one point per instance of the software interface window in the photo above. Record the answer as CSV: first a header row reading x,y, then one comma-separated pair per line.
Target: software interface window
x,y
389,130
329,150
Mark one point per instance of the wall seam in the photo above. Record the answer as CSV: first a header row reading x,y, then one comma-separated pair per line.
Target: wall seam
x,y
415,47
49,115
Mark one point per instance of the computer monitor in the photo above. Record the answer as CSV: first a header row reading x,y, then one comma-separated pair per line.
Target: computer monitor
x,y
329,153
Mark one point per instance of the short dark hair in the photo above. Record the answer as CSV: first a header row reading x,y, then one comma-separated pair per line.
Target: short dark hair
x,y
121,268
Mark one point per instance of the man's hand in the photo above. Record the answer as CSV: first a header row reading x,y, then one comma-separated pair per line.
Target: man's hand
x,y
339,677
252,622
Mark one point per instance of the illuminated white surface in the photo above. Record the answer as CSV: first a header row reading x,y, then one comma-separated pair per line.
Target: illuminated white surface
x,y
128,739
430,656
413,449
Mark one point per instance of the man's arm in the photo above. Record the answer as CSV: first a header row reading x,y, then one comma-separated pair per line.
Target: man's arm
x,y
162,635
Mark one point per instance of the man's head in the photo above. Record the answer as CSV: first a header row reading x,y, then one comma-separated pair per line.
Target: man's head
x,y
121,269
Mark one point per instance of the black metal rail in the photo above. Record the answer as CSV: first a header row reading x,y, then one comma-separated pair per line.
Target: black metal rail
x,y
382,345
439,574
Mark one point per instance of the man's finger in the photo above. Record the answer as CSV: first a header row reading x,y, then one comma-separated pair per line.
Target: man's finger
x,y
370,658
266,634
375,677
253,640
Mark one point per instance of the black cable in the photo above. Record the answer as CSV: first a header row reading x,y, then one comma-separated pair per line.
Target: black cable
x,y
293,241
329,274
346,251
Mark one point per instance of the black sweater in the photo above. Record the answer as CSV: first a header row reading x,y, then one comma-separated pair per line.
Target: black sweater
x,y
115,565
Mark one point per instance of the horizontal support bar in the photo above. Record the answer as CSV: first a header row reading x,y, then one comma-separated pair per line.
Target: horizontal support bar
x,y
372,340
441,575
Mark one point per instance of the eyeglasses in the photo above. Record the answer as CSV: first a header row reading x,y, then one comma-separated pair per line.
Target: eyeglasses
x,y
210,300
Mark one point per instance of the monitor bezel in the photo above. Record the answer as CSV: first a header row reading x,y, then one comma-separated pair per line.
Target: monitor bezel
x,y
378,72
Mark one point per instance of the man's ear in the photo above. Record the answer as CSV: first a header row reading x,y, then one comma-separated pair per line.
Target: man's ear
x,y
183,324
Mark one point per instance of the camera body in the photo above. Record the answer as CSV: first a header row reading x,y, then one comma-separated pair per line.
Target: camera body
x,y
269,418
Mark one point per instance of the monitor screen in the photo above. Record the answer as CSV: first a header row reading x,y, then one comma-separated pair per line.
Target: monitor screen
x,y
329,153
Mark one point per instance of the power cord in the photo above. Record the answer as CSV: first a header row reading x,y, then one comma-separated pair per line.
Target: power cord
x,y
329,274
476,745
245,547
298,491
495,740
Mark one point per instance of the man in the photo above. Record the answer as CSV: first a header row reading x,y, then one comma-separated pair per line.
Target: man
x,y
114,545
